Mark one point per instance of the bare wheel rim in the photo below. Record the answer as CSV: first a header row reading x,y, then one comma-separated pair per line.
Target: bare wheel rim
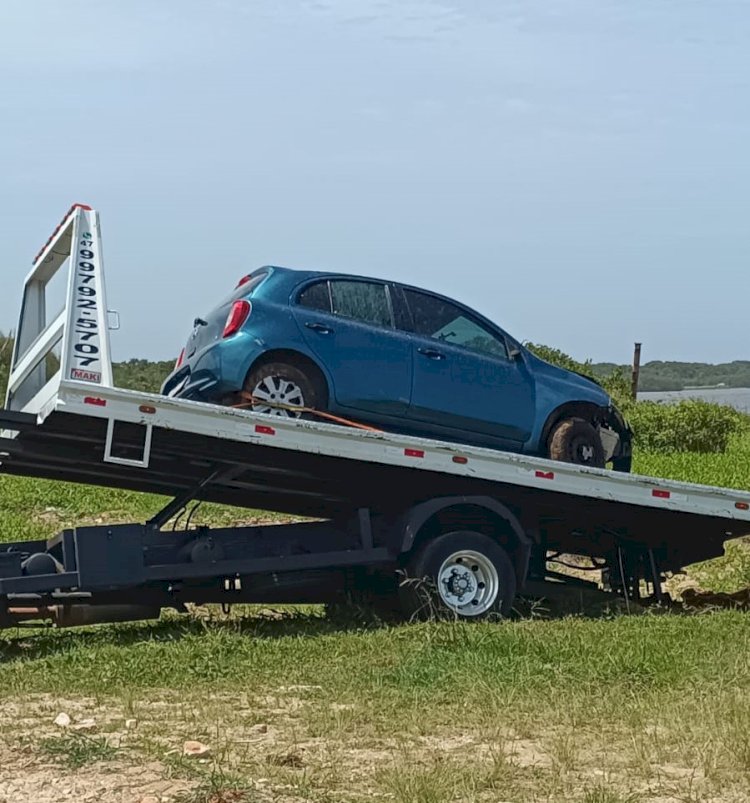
x,y
468,583
583,451
277,395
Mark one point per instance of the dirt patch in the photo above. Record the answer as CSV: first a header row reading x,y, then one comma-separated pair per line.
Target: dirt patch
x,y
262,750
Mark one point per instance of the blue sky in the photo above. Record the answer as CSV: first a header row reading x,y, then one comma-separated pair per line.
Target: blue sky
x,y
577,170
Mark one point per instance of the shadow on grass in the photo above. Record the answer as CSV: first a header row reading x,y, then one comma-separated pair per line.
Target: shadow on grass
x,y
265,622
39,642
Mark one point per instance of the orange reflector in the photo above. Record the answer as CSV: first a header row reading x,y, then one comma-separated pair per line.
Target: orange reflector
x,y
661,494
263,430
462,460
742,505
95,401
145,408
545,475
414,452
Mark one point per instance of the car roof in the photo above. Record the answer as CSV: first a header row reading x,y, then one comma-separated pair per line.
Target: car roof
x,y
305,275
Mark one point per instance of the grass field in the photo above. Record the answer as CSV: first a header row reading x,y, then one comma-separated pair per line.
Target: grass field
x,y
295,706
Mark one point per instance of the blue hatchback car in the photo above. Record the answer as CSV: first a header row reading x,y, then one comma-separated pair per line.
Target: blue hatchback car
x,y
398,357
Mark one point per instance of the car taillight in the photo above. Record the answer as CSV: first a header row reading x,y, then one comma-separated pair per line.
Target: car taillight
x,y
237,316
243,280
179,360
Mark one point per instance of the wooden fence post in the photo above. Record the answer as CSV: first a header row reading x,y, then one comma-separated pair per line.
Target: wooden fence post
x,y
636,370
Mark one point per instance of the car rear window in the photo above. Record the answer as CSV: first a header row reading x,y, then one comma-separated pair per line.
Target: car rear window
x,y
247,288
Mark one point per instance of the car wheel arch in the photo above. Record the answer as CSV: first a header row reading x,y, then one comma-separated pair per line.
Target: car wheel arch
x,y
298,359
589,411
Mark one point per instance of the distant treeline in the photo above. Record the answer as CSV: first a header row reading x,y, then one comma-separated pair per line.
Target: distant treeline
x,y
659,375
146,375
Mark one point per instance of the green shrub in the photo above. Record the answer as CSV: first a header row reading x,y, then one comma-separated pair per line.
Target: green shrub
x,y
686,426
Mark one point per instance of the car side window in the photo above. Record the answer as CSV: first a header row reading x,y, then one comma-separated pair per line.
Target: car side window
x,y
363,301
316,296
434,317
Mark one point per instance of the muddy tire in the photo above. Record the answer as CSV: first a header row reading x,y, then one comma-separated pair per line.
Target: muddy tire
x,y
574,440
282,387
458,575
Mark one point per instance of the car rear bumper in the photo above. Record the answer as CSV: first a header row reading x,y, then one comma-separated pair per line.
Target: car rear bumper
x,y
214,373
183,385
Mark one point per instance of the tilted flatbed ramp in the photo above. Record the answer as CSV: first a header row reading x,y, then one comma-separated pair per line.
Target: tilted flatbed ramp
x,y
65,420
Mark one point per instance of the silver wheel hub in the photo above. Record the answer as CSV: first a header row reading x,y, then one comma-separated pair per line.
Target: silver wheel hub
x,y
468,583
276,395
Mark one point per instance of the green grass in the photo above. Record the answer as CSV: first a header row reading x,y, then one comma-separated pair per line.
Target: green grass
x,y
74,750
33,508
521,709
728,470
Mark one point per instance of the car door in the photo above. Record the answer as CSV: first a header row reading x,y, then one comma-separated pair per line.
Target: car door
x,y
464,376
348,325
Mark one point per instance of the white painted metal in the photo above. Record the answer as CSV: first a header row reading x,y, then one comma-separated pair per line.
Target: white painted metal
x,y
420,454
127,461
80,330
75,394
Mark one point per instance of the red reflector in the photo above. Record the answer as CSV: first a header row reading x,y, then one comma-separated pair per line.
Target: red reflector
x,y
413,452
742,506
180,359
263,430
243,280
145,408
545,475
237,316
661,494
462,460
95,401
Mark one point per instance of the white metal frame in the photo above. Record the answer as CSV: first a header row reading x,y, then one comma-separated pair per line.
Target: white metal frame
x,y
96,397
81,328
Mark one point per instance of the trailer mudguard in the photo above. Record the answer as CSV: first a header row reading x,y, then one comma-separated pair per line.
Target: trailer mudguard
x,y
416,517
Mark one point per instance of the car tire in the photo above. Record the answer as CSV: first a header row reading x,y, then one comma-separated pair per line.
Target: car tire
x,y
286,385
575,440
459,575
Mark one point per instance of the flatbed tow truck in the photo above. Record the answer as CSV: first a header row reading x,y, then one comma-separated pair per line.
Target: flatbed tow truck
x,y
386,513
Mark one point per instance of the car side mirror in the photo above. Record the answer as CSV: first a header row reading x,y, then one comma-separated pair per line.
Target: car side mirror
x,y
514,353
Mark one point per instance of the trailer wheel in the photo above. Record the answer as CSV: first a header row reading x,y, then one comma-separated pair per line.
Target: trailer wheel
x,y
574,440
280,387
463,574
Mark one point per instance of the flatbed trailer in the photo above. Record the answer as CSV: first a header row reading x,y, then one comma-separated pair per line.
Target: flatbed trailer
x,y
461,526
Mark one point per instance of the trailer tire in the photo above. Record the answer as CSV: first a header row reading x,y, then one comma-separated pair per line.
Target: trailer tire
x,y
284,384
461,574
575,440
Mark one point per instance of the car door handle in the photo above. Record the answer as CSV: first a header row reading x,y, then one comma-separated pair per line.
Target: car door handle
x,y
433,354
319,327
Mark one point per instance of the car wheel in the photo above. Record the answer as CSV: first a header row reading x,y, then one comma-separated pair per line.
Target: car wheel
x,y
574,440
281,389
462,574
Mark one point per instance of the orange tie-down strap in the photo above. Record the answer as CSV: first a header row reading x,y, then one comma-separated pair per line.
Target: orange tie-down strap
x,y
250,401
